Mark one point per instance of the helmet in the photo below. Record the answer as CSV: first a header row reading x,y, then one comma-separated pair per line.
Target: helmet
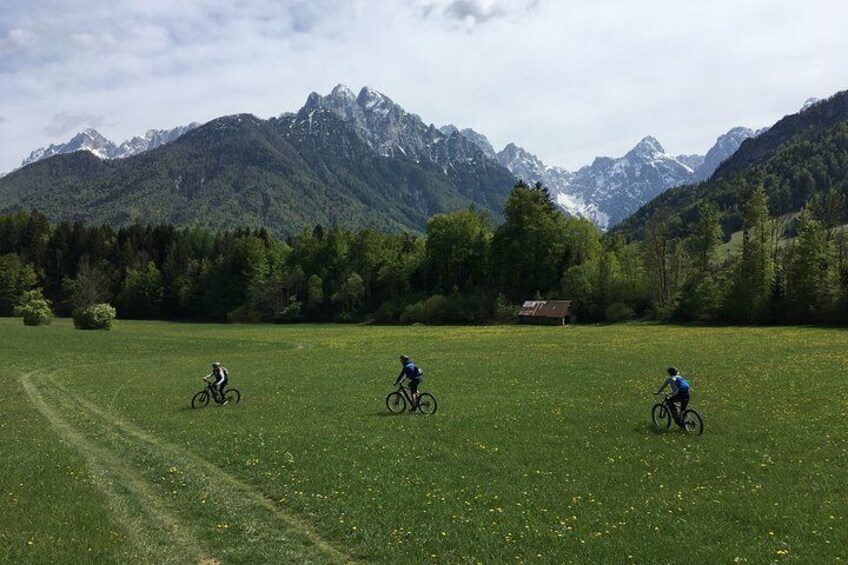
x,y
672,371
216,364
404,358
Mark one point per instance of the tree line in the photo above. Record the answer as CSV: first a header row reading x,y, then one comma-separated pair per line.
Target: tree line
x,y
465,269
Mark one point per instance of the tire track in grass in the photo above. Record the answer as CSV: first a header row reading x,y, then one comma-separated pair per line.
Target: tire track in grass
x,y
157,533
264,531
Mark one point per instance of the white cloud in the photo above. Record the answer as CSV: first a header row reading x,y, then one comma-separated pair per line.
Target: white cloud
x,y
473,12
16,40
65,123
94,41
568,80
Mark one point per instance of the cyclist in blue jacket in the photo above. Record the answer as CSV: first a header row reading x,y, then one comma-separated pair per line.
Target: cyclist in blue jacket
x,y
679,393
414,374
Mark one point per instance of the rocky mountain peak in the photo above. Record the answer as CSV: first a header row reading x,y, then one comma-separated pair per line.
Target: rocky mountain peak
x,y
369,95
313,101
512,151
648,148
481,141
341,91
93,134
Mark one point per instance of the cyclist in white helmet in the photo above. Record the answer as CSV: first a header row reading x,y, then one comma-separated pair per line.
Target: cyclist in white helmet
x,y
222,377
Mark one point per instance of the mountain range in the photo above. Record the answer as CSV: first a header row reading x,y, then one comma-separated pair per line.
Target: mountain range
x,y
460,161
93,141
287,174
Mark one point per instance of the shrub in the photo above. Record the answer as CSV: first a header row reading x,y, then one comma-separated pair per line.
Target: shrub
x,y
244,314
34,308
474,308
504,312
289,314
94,317
435,309
413,313
392,310
618,312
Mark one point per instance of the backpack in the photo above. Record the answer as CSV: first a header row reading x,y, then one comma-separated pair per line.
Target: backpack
x,y
419,372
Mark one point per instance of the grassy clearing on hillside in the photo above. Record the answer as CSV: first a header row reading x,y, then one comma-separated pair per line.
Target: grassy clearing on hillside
x,y
541,450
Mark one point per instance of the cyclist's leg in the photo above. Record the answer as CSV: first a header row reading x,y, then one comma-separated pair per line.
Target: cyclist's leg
x,y
219,388
673,407
684,402
413,393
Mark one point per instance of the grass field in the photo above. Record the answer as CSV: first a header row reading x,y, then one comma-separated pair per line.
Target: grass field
x,y
541,450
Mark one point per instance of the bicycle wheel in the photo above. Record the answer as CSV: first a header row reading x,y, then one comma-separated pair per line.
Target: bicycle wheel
x,y
395,402
426,403
692,422
232,395
661,416
200,399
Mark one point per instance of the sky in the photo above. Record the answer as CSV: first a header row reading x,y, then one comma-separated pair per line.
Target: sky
x,y
568,80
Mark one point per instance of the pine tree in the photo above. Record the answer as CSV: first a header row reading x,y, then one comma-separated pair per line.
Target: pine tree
x,y
754,278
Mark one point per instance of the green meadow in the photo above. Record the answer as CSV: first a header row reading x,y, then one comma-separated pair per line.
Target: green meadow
x,y
541,449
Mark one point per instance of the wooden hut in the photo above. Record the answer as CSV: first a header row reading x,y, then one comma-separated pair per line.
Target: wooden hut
x,y
550,312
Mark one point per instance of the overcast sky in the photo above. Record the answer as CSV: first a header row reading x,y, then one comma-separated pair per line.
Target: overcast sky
x,y
568,80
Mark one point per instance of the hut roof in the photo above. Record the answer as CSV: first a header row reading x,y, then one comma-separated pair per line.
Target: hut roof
x,y
546,308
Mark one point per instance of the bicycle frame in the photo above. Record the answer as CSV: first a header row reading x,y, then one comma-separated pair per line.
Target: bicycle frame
x,y
404,390
667,402
213,391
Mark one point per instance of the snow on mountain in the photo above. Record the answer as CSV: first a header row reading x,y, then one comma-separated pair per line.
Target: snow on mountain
x,y
93,141
619,187
692,161
529,168
609,189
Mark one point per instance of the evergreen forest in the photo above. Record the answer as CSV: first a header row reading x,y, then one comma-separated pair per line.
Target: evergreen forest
x,y
464,270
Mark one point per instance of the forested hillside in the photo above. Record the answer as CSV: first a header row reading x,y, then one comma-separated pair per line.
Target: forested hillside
x,y
242,172
800,156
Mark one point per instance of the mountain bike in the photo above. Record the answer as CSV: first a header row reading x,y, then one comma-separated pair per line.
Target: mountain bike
x,y
661,417
398,400
201,399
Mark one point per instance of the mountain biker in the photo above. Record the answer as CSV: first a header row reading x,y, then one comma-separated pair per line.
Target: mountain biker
x,y
679,393
222,377
414,374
